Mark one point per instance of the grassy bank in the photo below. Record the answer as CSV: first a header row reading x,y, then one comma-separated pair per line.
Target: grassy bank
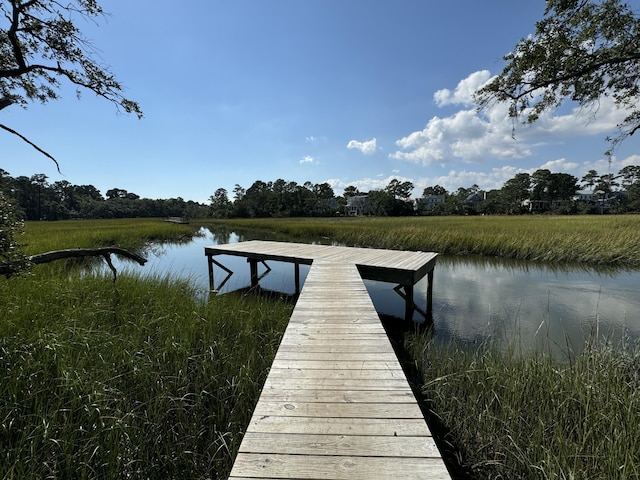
x,y
134,380
142,380
126,233
523,417
597,240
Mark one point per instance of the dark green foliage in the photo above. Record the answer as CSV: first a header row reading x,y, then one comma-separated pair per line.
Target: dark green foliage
x,y
12,260
583,51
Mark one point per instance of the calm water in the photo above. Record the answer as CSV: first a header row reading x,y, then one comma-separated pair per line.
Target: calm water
x,y
473,298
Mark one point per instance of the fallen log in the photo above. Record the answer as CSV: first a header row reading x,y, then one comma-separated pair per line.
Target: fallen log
x,y
7,269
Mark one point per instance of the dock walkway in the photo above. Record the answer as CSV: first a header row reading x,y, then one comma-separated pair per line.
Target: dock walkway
x,y
336,403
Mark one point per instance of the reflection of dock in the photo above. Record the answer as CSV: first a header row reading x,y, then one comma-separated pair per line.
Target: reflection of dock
x,y
336,403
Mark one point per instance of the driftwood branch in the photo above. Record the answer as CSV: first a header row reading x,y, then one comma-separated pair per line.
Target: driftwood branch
x,y
105,252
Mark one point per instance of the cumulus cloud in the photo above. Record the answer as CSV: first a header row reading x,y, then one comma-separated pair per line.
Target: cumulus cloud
x,y
307,159
463,94
473,135
367,147
465,135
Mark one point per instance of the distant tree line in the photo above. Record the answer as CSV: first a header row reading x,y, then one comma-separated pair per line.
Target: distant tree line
x,y
539,192
34,198
542,191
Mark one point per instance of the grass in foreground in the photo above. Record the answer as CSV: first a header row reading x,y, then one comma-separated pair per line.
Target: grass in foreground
x,y
140,380
523,417
598,240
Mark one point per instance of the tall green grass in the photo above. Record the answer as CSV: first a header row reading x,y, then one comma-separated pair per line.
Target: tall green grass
x,y
136,380
525,415
142,380
126,233
596,240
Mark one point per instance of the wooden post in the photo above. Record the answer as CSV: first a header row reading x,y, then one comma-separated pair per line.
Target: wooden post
x,y
297,279
253,265
210,262
430,295
408,305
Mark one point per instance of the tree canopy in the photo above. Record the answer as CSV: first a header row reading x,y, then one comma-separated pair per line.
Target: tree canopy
x,y
41,46
582,50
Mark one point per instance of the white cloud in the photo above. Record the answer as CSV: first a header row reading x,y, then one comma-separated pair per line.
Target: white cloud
x,y
307,159
473,135
464,135
560,165
367,184
463,94
367,147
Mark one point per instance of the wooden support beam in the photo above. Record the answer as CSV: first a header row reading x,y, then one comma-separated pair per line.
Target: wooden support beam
x,y
408,302
430,296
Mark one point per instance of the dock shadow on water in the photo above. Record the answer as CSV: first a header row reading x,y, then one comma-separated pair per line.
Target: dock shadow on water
x,y
475,299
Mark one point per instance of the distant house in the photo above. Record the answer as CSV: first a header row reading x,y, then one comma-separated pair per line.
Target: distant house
x,y
474,199
584,196
358,205
428,203
535,205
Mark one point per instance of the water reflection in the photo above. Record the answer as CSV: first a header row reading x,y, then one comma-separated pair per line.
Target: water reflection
x,y
547,305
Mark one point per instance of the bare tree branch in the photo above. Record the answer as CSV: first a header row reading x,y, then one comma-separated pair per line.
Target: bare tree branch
x,y
22,137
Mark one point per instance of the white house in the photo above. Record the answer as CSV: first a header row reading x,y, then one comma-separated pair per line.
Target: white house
x,y
358,205
429,202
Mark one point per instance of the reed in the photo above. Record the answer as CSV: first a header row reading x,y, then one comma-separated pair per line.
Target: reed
x,y
126,233
133,380
526,415
612,240
142,378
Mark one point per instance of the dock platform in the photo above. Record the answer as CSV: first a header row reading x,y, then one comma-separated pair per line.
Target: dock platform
x,y
401,267
336,403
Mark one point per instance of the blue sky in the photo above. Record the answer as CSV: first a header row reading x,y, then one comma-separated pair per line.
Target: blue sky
x,y
353,92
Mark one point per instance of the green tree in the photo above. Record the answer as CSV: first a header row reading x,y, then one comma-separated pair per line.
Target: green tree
x,y
515,191
630,175
398,189
41,45
582,50
435,190
351,191
11,259
220,205
590,179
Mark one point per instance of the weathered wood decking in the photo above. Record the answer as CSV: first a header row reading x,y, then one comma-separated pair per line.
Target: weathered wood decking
x,y
336,403
404,268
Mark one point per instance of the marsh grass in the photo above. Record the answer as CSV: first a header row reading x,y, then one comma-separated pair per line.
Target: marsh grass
x,y
137,380
517,415
597,240
126,233
141,378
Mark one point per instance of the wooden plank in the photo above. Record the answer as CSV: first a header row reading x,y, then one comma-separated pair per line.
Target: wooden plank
x,y
341,382
338,410
339,445
297,375
320,467
395,427
331,395
347,356
336,365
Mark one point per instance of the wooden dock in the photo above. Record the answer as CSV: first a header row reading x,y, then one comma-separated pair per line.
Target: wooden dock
x,y
404,268
336,403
